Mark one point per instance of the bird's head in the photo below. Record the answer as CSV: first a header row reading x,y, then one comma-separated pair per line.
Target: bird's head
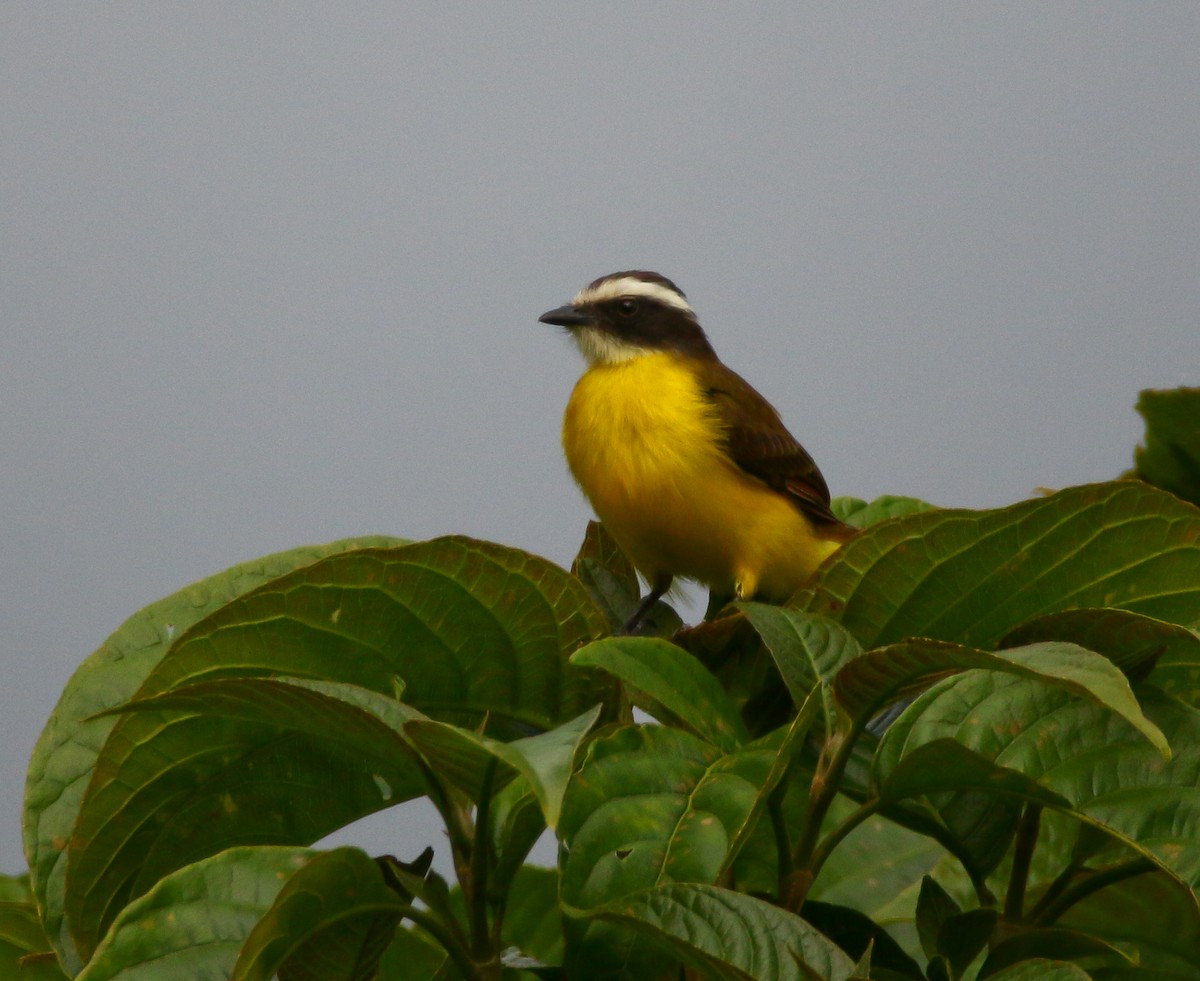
x,y
626,315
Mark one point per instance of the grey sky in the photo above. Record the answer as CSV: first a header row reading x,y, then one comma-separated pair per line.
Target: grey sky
x,y
270,274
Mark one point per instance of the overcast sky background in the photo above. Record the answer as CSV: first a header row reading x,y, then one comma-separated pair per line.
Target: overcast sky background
x,y
270,274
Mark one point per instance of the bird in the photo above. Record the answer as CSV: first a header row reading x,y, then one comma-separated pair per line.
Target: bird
x,y
686,465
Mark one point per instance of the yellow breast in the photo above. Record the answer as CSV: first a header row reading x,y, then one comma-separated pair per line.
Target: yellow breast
x,y
647,449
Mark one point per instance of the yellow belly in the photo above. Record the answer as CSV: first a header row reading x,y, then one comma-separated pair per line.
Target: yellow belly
x,y
645,447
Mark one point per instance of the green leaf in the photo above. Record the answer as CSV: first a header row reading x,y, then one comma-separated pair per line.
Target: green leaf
x,y
532,917
971,576
462,757
963,936
1151,913
945,765
601,549
1170,457
808,650
193,922
857,934
224,763
332,920
867,683
468,628
515,824
728,935
877,862
857,512
1042,969
934,908
411,956
1054,943
938,969
1131,641
652,805
669,684
69,744
1090,757
790,741
612,583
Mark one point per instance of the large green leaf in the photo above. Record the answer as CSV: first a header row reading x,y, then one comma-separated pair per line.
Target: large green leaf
x,y
652,805
468,629
1152,913
69,744
1170,457
867,683
463,757
193,922
729,935
971,576
876,863
1095,760
669,684
1131,641
229,762
331,921
967,806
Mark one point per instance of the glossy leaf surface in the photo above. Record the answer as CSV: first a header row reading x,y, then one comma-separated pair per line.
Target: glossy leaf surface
x,y
972,576
68,746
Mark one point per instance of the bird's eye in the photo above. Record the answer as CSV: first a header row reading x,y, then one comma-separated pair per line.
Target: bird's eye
x,y
627,307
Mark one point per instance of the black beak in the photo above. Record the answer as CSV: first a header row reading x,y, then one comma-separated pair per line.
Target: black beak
x,y
566,316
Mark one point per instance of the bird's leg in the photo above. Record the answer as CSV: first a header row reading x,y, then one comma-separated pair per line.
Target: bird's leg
x,y
657,589
717,601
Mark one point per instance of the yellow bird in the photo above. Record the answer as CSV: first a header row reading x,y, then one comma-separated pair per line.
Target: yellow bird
x,y
688,467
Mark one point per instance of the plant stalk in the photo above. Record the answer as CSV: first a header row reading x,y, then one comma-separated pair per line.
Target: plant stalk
x,y
480,861
1027,836
835,837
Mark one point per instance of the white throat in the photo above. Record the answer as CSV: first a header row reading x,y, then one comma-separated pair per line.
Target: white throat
x,y
600,347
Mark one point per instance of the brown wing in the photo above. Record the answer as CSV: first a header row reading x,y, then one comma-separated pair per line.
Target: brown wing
x,y
760,444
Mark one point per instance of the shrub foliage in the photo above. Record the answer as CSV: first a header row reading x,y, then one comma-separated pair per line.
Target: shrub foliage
x,y
969,749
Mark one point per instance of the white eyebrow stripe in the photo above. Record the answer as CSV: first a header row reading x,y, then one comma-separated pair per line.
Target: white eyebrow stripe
x,y
611,289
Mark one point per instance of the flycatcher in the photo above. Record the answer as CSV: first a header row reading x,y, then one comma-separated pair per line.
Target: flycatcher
x,y
690,469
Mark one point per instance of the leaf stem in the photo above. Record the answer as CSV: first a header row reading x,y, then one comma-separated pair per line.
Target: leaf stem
x,y
1093,883
1055,889
783,847
825,782
835,837
1027,836
480,860
458,824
